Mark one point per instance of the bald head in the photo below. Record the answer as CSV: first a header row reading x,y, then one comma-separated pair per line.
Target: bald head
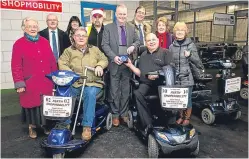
x,y
152,42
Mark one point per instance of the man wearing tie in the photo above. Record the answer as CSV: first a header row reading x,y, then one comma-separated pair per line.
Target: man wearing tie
x,y
142,28
58,39
119,38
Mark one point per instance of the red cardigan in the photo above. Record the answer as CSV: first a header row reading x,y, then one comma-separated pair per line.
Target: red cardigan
x,y
30,62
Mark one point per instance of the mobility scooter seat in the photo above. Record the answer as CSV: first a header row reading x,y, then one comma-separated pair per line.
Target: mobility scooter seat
x,y
205,78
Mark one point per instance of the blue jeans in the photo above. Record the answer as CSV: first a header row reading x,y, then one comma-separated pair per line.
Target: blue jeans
x,y
89,103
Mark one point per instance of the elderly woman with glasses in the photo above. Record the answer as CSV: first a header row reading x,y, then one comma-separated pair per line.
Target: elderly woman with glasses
x,y
32,59
75,58
184,54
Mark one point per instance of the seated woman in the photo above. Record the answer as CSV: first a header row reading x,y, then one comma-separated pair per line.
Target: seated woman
x,y
75,58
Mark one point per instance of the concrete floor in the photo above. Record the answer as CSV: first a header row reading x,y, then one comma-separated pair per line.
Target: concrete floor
x,y
226,138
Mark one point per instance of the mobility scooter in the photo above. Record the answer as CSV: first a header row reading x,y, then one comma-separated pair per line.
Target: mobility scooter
x,y
60,107
211,53
244,86
227,86
166,136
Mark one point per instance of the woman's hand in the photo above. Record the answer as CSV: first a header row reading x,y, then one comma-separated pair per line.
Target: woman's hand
x,y
186,53
98,71
153,77
20,90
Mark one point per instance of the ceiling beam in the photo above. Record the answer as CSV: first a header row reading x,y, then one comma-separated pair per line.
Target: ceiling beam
x,y
201,8
165,8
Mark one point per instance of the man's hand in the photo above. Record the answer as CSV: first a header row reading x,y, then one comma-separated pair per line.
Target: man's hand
x,y
98,71
130,49
153,77
20,90
128,63
186,53
117,60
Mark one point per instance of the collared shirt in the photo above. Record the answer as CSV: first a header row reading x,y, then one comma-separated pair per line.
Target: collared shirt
x,y
142,28
119,32
56,37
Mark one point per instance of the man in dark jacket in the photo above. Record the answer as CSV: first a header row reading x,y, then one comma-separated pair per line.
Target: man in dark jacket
x,y
96,30
152,59
57,38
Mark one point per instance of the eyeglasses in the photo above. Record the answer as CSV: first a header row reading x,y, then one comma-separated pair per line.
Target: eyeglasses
x,y
81,36
32,27
52,20
139,12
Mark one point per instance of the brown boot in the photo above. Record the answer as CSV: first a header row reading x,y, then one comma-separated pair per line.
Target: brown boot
x,y
180,120
124,120
32,132
115,122
187,116
86,134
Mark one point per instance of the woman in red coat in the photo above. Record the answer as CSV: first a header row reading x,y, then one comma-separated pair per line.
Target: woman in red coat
x,y
163,34
32,59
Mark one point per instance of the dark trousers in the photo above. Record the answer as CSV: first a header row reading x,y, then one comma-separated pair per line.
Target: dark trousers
x,y
142,106
120,91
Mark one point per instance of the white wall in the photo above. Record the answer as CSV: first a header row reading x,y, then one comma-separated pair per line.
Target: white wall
x,y
11,29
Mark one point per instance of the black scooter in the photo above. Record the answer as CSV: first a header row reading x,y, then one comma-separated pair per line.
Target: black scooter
x,y
166,136
227,86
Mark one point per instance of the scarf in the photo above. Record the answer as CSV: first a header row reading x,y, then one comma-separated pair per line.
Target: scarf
x,y
162,39
31,38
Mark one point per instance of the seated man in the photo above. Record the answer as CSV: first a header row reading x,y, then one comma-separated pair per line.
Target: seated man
x,y
75,58
153,59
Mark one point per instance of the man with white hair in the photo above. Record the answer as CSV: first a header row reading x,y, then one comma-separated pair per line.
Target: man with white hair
x,y
96,30
119,38
57,38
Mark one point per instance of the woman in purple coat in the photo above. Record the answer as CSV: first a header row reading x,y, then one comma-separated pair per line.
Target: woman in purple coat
x,y
32,59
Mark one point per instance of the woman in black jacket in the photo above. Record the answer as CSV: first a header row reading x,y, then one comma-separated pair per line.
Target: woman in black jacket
x,y
73,24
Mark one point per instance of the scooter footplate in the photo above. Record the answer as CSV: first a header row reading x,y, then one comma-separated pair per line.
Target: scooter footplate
x,y
70,144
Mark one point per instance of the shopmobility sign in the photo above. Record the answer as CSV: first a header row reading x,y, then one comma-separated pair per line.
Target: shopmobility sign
x,y
32,5
223,19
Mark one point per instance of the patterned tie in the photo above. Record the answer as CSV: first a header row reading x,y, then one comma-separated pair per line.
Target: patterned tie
x,y
55,50
141,34
123,36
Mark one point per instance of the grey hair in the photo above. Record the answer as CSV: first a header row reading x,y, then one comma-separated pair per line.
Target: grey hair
x,y
121,6
80,29
74,46
25,20
51,14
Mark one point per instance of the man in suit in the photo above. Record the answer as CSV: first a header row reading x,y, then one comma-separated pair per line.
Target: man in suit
x,y
142,27
119,38
58,39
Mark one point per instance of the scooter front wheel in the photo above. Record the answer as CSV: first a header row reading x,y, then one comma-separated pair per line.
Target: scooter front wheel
x,y
108,121
59,155
207,116
153,149
130,120
244,93
196,151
